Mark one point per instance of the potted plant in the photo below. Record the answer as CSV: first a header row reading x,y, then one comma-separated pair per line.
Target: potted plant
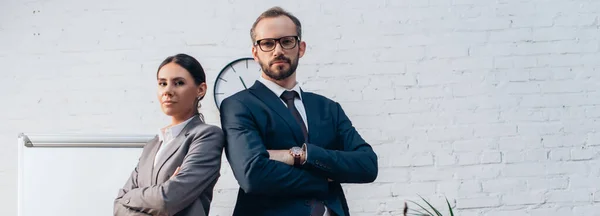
x,y
423,210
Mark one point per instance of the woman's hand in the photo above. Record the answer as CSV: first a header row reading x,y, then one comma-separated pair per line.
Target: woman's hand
x,y
175,173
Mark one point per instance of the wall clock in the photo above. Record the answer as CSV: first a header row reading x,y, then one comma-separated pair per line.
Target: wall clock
x,y
236,76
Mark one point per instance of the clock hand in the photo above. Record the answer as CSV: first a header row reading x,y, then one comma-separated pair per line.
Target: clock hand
x,y
243,83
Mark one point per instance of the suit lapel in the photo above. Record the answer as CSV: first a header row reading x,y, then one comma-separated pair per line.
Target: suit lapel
x,y
274,102
146,169
172,147
312,115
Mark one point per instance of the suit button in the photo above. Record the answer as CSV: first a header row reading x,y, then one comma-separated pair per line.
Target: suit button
x,y
307,202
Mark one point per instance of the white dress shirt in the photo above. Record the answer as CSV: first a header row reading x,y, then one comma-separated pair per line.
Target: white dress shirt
x,y
278,90
167,134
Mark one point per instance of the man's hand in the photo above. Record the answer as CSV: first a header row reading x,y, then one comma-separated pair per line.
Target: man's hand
x,y
281,156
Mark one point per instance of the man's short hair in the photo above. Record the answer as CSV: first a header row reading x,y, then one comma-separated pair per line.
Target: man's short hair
x,y
276,12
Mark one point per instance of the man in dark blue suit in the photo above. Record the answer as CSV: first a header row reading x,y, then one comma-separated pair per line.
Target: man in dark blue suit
x,y
289,149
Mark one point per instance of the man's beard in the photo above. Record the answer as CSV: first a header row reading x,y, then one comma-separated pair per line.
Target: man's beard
x,y
283,74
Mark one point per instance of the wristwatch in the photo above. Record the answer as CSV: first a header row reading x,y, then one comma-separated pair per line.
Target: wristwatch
x,y
297,153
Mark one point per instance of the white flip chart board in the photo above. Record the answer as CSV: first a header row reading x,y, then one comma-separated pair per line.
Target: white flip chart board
x,y
73,175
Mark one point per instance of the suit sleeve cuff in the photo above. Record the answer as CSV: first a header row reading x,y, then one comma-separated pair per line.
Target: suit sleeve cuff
x,y
316,154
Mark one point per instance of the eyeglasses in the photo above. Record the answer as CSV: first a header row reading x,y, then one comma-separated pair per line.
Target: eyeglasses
x,y
269,44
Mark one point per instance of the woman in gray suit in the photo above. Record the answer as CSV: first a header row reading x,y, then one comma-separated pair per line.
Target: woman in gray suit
x,y
178,169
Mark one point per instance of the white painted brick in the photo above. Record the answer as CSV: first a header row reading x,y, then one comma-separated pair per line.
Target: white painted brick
x,y
400,54
531,21
462,90
520,88
551,211
411,189
524,170
588,210
478,171
558,73
529,115
380,190
468,158
420,174
508,185
566,168
478,202
424,92
534,155
387,154
495,130
468,212
392,175
516,62
560,154
593,139
444,159
576,20
555,101
491,157
563,141
509,35
472,63
576,195
422,159
521,198
512,75
581,181
450,133
377,94
413,106
491,49
562,60
585,153
541,128
507,212
446,51
474,145
519,143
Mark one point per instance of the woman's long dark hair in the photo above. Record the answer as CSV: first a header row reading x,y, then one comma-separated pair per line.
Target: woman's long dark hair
x,y
195,69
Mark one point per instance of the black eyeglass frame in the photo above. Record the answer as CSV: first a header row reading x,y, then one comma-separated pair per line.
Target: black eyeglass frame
x,y
277,41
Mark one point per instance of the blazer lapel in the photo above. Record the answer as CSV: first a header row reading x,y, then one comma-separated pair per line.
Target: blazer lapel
x,y
146,167
274,102
172,147
311,106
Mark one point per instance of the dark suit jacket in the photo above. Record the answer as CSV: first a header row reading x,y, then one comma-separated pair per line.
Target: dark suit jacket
x,y
197,151
255,120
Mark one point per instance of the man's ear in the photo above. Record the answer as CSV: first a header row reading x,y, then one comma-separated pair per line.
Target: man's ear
x,y
254,53
302,49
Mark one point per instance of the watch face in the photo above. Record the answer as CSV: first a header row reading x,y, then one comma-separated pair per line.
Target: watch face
x,y
236,76
296,150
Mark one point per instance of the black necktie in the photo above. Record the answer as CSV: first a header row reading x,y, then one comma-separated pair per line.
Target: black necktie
x,y
288,97
318,209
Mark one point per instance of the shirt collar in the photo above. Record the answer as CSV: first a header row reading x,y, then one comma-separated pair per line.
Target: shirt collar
x,y
169,133
277,89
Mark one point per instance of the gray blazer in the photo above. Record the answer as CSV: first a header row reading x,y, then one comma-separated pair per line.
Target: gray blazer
x,y
150,191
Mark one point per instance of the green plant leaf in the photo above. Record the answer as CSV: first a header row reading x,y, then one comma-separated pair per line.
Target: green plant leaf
x,y
420,212
421,207
449,207
432,208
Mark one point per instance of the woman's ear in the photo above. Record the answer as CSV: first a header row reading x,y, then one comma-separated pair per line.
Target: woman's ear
x,y
202,90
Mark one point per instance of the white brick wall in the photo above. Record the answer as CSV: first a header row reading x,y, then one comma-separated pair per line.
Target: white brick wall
x,y
491,103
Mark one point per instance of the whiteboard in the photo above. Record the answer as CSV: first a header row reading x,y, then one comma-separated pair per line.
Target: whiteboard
x,y
73,175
